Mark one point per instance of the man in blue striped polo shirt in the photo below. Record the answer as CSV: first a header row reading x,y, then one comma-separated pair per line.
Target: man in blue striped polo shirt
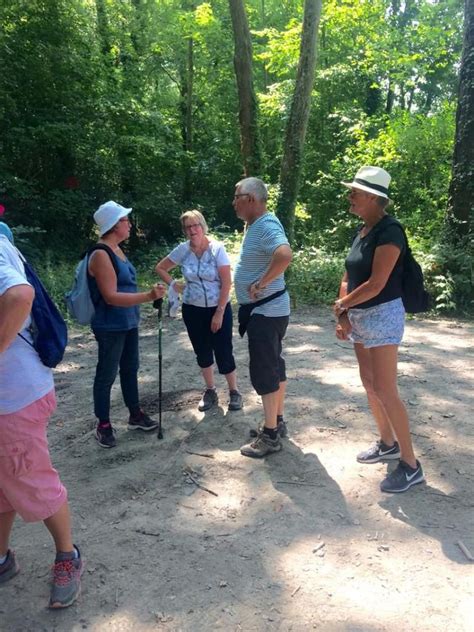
x,y
259,278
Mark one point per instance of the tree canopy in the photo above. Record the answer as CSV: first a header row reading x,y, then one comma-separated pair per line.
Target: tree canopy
x,y
137,100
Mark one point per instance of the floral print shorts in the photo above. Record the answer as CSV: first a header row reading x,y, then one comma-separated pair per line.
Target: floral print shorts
x,y
379,325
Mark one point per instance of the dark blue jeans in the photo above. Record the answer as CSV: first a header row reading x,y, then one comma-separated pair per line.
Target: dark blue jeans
x,y
117,349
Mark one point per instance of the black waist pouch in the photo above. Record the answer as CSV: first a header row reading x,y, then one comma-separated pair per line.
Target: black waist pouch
x,y
245,311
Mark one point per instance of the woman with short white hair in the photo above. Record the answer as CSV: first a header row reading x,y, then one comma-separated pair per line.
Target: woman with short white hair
x,y
371,314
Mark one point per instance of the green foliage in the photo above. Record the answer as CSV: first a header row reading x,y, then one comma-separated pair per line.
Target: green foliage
x,y
449,271
315,276
92,107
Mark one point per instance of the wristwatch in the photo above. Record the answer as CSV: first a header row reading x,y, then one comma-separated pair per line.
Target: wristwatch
x,y
339,305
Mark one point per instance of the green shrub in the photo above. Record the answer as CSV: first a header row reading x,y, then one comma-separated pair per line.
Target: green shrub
x,y
315,276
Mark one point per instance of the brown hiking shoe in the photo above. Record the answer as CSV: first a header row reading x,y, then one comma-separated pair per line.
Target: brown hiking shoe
x,y
261,446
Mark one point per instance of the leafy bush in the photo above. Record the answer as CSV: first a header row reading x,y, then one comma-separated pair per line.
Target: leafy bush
x,y
315,276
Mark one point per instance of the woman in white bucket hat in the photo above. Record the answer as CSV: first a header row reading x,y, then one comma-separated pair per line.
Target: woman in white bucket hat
x,y
371,314
113,287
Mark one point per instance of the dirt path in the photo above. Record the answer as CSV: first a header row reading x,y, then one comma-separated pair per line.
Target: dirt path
x,y
303,540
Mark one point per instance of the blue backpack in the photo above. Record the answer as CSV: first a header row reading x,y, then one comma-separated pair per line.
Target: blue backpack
x,y
48,329
78,300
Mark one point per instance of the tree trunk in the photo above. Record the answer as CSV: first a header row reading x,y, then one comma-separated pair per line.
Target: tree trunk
x,y
186,106
461,190
390,98
248,109
298,119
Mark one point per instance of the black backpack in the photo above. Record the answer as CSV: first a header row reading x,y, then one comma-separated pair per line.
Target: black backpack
x,y
414,296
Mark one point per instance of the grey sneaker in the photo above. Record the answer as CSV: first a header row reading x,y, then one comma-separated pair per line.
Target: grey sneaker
x,y
379,452
208,399
235,401
282,430
402,478
66,581
9,568
261,446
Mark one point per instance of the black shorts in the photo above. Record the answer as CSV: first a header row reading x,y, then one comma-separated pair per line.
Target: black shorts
x,y
207,345
267,367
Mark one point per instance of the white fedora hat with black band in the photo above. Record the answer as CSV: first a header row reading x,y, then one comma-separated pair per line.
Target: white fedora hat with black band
x,y
371,179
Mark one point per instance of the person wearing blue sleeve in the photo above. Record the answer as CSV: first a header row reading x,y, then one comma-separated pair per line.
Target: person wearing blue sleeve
x,y
371,315
5,228
264,309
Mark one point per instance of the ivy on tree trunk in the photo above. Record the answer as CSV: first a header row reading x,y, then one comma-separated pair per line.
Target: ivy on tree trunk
x,y
298,120
248,109
461,190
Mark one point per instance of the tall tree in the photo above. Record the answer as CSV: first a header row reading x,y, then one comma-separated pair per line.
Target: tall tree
x,y
248,108
298,120
461,190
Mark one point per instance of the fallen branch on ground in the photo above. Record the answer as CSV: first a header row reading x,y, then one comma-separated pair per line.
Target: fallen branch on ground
x,y
143,532
206,489
208,456
465,550
298,483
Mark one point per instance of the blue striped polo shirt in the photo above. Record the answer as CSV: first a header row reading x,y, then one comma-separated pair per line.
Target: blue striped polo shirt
x,y
263,237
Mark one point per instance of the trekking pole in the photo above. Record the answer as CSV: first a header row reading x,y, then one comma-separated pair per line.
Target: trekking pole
x,y
158,304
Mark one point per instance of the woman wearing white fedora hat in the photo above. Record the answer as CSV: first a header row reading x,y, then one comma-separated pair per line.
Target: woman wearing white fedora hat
x,y
113,287
371,314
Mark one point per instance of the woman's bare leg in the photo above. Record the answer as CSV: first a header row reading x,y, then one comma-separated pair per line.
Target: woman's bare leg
x,y
366,371
384,367
6,523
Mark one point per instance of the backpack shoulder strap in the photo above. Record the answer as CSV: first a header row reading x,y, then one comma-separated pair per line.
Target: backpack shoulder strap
x,y
108,250
391,221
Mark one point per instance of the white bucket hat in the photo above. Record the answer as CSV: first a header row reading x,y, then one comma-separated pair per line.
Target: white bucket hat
x,y
108,214
371,179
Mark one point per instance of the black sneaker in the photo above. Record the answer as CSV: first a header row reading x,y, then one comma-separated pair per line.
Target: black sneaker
x,y
281,429
379,452
235,400
402,478
208,399
105,436
142,422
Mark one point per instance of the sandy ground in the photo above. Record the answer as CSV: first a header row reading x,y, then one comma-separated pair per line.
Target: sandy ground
x,y
302,540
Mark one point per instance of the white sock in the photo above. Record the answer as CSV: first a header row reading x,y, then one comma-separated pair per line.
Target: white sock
x,y
3,559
